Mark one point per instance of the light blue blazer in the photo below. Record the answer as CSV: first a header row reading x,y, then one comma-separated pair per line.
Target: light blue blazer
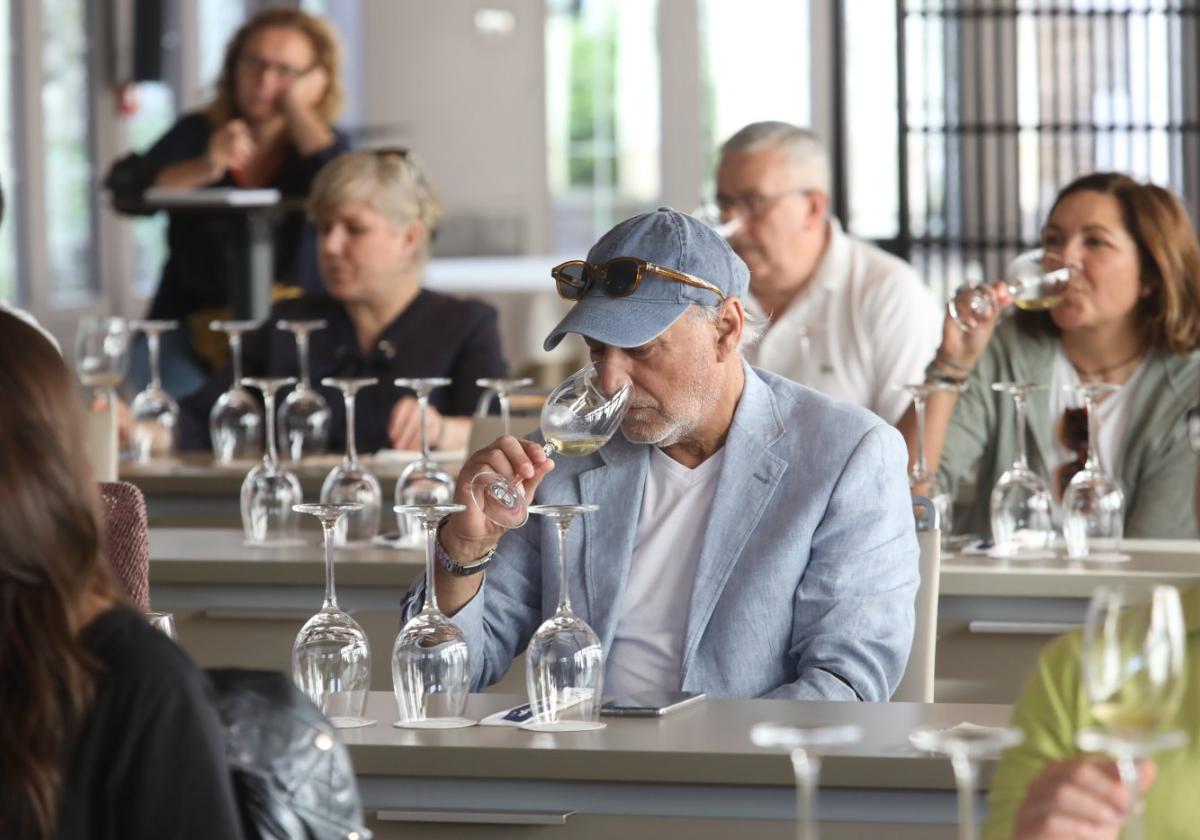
x,y
805,584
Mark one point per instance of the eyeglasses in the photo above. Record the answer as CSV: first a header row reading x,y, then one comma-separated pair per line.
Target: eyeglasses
x,y
257,66
619,277
751,205
1073,434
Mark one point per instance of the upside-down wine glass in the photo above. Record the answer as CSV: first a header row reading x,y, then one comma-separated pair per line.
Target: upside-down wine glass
x,y
331,657
155,413
919,473
270,490
1133,654
564,664
351,482
807,745
966,745
503,389
1093,504
304,416
234,423
1036,279
101,360
1021,506
431,669
422,482
577,419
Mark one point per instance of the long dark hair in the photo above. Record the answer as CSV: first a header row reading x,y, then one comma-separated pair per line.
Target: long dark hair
x,y
50,562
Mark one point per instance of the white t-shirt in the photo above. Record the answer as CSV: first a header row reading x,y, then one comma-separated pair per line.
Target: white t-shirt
x,y
1112,412
647,649
864,325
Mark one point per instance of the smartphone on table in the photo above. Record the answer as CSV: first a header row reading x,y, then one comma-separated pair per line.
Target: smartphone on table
x,y
650,703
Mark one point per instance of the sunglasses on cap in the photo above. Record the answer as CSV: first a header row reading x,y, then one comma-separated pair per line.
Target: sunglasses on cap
x,y
619,277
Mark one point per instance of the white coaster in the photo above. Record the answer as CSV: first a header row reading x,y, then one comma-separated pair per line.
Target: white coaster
x,y
1020,555
1101,557
565,726
350,722
435,723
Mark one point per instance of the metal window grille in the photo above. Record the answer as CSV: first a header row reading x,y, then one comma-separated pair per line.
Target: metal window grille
x,y
1003,102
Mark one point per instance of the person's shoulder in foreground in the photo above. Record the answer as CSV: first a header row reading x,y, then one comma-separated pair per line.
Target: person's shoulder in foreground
x,y
149,760
1054,707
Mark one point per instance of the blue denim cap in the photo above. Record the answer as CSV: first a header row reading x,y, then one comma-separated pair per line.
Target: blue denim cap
x,y
670,239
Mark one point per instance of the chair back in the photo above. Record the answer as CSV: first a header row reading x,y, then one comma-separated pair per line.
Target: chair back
x,y
127,538
917,684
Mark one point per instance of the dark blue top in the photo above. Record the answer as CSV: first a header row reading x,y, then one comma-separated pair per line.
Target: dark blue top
x,y
195,275
435,336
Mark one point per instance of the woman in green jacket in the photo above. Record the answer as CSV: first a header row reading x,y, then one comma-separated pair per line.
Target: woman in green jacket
x,y
1130,316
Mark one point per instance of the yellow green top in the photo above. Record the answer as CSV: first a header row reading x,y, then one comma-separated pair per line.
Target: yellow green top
x,y
1054,706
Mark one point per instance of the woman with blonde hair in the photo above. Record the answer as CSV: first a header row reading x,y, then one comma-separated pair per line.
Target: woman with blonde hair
x,y
107,730
269,125
1130,317
375,214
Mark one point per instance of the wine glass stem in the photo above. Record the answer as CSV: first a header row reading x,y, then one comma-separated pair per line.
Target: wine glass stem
x,y
327,526
502,396
302,352
423,402
1093,443
964,778
1021,461
1131,776
351,443
807,768
920,472
564,593
430,526
269,410
235,357
155,377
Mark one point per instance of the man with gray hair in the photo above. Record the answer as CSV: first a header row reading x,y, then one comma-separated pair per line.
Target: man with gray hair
x,y
753,537
845,317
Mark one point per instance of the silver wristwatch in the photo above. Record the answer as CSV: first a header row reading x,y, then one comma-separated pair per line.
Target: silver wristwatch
x,y
448,563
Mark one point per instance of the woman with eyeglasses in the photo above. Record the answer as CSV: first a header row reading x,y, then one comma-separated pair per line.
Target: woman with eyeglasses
x,y
107,730
1130,316
269,125
375,213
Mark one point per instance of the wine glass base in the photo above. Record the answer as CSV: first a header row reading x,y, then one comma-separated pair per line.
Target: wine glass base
x,y
350,722
436,723
296,543
1100,557
565,726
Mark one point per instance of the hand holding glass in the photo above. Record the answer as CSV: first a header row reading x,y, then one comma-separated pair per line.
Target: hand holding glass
x,y
1036,280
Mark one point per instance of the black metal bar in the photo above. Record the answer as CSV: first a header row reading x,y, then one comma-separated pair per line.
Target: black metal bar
x,y
1001,74
841,205
903,224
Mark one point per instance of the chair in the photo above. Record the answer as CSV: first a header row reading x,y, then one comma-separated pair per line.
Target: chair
x,y
916,686
127,538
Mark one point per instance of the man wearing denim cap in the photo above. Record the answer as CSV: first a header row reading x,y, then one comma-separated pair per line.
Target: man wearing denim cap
x,y
752,538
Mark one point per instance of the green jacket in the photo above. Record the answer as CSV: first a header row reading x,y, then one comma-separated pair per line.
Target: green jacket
x,y
1157,470
1053,707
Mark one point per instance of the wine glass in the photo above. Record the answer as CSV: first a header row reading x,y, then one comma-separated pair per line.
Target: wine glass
x,y
101,360
564,664
1036,280
966,745
331,657
422,482
234,424
1133,672
431,672
155,413
1093,504
350,481
919,473
807,745
304,416
1021,506
502,388
270,490
577,419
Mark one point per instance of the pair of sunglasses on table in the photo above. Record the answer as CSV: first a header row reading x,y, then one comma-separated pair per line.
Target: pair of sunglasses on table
x,y
619,277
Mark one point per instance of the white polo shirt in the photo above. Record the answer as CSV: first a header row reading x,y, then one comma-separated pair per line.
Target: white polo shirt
x,y
865,324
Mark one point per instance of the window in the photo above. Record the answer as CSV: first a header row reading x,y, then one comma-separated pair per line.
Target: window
x,y
66,130
8,229
155,115
603,115
754,65
218,20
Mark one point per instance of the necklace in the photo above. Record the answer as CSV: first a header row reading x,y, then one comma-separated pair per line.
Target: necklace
x,y
1097,373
